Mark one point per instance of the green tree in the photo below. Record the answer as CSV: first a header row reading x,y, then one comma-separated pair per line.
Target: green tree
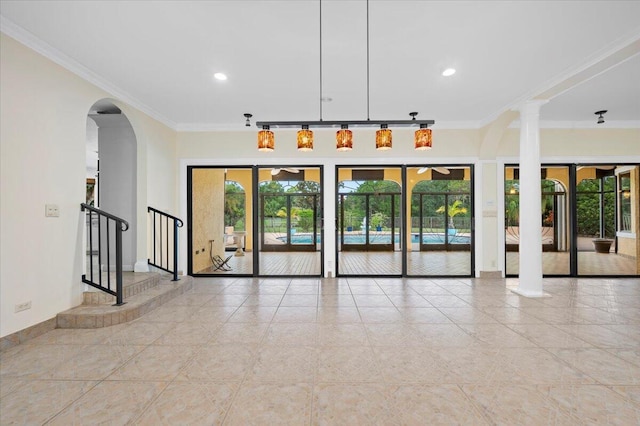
x,y
272,201
588,206
305,220
306,187
433,191
234,205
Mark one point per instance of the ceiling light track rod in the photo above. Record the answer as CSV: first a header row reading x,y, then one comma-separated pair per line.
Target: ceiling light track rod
x,y
320,52
368,115
350,123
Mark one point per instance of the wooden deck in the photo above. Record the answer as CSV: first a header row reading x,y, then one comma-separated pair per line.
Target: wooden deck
x,y
589,263
418,264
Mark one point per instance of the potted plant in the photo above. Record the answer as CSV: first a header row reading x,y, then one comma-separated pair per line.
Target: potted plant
x,y
602,245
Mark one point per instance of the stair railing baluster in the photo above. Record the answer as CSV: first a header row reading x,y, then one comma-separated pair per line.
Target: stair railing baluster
x,y
121,225
161,248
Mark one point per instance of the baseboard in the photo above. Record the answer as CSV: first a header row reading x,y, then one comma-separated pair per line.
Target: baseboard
x,y
490,274
14,339
141,266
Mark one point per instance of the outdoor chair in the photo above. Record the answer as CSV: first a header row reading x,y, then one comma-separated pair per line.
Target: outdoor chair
x,y
219,264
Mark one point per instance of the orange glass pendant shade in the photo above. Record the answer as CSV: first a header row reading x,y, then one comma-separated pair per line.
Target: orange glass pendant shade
x,y
305,139
422,139
383,138
344,139
266,141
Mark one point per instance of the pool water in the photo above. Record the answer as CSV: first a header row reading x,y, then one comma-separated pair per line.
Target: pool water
x,y
382,239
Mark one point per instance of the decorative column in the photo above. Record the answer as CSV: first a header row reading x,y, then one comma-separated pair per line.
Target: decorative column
x,y
530,277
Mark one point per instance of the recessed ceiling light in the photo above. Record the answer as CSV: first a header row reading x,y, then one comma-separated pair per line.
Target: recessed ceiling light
x,y
220,76
449,72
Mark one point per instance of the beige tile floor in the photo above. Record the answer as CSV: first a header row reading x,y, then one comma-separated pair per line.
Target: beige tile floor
x,y
344,351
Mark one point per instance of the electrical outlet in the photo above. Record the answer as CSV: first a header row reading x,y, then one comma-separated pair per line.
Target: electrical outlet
x,y
51,210
23,306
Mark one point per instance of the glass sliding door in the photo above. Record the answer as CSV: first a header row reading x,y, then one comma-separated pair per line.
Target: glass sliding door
x,y
290,221
220,232
589,222
440,232
369,221
606,220
554,220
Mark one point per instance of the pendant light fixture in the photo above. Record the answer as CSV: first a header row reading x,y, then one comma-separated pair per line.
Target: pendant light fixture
x,y
266,141
383,138
344,136
422,137
305,139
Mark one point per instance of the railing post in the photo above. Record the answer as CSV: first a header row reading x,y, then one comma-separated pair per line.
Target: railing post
x,y
119,264
175,250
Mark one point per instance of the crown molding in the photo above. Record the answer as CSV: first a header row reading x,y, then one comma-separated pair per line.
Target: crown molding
x,y
608,124
25,37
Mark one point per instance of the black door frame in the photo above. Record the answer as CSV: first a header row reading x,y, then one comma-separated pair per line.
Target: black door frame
x,y
403,215
573,218
255,219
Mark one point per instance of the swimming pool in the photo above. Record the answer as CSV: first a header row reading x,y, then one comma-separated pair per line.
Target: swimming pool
x,y
382,239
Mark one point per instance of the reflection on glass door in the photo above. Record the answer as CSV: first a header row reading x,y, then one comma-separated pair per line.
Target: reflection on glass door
x,y
439,241
220,221
605,221
290,220
554,220
600,240
369,221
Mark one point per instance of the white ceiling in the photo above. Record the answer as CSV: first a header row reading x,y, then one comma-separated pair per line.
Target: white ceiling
x,y
160,57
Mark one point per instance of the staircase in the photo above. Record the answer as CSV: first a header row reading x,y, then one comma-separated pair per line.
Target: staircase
x,y
143,292
118,297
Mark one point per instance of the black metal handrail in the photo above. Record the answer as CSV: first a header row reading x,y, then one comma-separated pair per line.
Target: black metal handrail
x,y
104,250
160,258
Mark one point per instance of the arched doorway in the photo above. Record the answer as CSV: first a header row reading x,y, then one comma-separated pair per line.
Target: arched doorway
x,y
112,170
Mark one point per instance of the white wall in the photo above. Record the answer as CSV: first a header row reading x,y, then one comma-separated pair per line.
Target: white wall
x,y
92,149
117,152
43,111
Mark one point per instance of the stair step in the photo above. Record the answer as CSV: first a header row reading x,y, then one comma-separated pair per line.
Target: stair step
x,y
144,301
132,283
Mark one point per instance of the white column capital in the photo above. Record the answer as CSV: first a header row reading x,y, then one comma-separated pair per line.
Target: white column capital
x,y
532,106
